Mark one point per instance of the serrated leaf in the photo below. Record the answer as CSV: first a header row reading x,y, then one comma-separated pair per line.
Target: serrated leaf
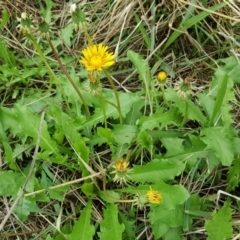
x,y
216,139
129,225
88,189
207,103
231,67
189,154
140,64
194,113
7,148
47,13
126,100
233,175
159,230
22,122
67,34
144,139
25,207
217,99
124,133
157,170
107,134
110,227
11,182
83,229
83,152
174,146
220,226
173,233
135,113
172,218
156,120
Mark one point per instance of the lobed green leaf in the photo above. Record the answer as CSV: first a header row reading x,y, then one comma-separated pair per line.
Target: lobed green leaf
x,y
156,170
110,227
220,226
83,229
217,139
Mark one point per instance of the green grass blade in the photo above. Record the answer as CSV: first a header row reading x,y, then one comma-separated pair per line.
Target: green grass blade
x,y
7,55
189,23
5,18
219,99
143,32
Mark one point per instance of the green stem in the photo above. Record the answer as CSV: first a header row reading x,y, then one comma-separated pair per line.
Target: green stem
x,y
41,54
114,105
50,71
68,76
114,199
104,110
163,95
116,95
186,114
88,36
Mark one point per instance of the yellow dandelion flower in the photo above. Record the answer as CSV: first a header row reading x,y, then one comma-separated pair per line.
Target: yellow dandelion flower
x,y
161,76
121,171
96,57
121,165
154,196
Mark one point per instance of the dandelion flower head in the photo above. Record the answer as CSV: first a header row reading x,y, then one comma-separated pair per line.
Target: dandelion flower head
x,y
121,171
121,165
97,57
154,196
161,76
184,88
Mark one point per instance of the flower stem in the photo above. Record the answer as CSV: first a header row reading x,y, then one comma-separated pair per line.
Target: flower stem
x,y
68,76
186,114
163,95
104,110
52,75
114,199
116,95
87,36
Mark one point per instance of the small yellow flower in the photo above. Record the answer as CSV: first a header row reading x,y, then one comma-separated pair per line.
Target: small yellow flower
x,y
154,196
96,57
162,76
121,165
121,171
